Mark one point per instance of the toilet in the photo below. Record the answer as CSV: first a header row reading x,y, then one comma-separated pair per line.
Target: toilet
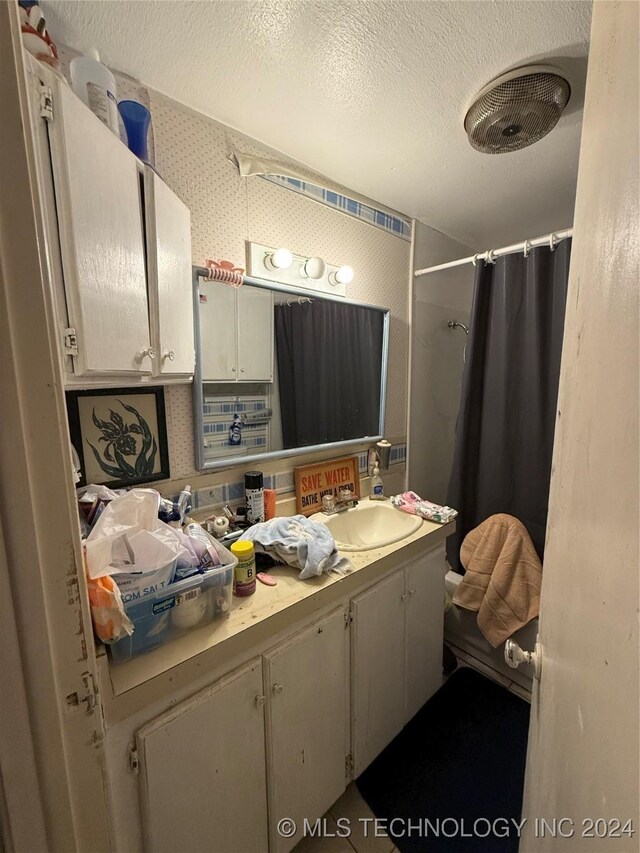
x,y
462,635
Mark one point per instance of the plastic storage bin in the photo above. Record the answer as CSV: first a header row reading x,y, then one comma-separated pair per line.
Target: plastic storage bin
x,y
178,608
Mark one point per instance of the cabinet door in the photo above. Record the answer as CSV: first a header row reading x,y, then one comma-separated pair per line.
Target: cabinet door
x,y
202,770
307,724
168,224
424,629
218,331
377,666
255,334
98,202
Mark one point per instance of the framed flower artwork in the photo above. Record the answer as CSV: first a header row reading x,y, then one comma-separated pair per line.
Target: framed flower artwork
x,y
120,435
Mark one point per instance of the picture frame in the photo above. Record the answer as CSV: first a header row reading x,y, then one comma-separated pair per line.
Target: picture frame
x,y
120,435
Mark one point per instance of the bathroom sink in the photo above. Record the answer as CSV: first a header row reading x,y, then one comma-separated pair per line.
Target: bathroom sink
x,y
370,524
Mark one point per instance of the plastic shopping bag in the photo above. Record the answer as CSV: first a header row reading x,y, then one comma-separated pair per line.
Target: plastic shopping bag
x,y
129,553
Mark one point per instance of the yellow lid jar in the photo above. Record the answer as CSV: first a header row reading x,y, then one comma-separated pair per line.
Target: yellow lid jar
x,y
244,574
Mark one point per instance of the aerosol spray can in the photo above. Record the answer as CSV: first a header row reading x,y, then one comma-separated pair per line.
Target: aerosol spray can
x,y
254,496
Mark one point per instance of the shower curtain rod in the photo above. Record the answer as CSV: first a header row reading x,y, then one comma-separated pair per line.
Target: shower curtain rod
x,y
551,239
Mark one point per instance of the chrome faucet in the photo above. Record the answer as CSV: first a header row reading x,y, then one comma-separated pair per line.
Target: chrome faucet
x,y
346,500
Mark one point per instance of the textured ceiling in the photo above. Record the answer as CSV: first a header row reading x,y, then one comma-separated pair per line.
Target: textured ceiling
x,y
372,94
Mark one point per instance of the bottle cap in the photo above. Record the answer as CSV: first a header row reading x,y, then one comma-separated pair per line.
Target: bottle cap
x,y
220,525
242,549
253,480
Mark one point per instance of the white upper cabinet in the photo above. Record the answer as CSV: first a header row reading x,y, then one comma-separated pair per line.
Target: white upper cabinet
x,y
255,334
218,332
97,186
236,333
128,303
168,224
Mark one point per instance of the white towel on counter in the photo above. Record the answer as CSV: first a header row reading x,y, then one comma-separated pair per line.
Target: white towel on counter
x,y
298,542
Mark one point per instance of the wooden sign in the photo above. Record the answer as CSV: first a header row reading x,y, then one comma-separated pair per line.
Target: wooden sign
x,y
324,478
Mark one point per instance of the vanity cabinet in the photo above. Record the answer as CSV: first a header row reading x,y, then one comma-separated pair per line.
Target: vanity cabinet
x,y
306,680
236,333
287,722
119,246
396,653
202,770
424,629
204,765
377,663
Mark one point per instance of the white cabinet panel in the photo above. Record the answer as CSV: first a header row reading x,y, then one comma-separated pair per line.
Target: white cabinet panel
x,y
168,224
424,588
255,334
98,201
377,665
202,771
218,332
236,333
308,724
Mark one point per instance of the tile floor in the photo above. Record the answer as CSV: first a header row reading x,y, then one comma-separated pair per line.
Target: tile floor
x,y
364,837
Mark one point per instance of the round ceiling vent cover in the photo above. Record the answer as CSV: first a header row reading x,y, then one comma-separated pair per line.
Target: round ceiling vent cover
x,y
517,109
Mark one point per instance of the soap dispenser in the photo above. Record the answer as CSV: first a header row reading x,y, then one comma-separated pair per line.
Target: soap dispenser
x,y
377,486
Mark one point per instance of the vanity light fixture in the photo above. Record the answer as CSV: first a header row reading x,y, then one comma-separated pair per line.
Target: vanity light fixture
x,y
281,259
300,272
343,275
314,268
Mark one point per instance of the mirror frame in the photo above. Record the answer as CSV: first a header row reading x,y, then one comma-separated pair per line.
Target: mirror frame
x,y
198,392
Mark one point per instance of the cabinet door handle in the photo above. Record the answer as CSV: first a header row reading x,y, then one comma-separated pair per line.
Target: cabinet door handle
x,y
404,595
278,688
242,370
170,354
412,592
260,701
149,351
233,370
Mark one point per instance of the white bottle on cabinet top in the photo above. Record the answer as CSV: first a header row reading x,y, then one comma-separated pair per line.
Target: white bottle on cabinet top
x,y
94,84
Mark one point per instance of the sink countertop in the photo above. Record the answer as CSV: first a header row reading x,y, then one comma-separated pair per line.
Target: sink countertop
x,y
285,600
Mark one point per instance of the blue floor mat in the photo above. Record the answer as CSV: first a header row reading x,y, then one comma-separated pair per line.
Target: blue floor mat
x,y
462,757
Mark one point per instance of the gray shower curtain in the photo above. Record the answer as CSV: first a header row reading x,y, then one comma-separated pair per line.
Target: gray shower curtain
x,y
506,421
329,357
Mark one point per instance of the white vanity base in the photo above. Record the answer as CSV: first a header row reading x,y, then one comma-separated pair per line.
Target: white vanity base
x,y
214,738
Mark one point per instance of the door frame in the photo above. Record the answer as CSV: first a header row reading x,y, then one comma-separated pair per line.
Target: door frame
x,y
583,746
50,701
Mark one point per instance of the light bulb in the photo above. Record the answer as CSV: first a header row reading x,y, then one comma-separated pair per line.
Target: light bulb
x,y
314,268
281,259
344,275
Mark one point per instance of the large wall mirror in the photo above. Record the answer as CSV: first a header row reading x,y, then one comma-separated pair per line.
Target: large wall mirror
x,y
280,371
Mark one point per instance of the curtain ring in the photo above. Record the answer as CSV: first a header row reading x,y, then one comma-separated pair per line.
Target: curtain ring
x,y
552,242
526,248
490,258
474,260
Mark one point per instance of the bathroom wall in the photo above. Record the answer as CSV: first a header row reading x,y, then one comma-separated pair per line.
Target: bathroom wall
x,y
192,156
436,360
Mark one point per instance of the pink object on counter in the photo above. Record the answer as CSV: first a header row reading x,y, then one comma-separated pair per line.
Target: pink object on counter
x,y
413,504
